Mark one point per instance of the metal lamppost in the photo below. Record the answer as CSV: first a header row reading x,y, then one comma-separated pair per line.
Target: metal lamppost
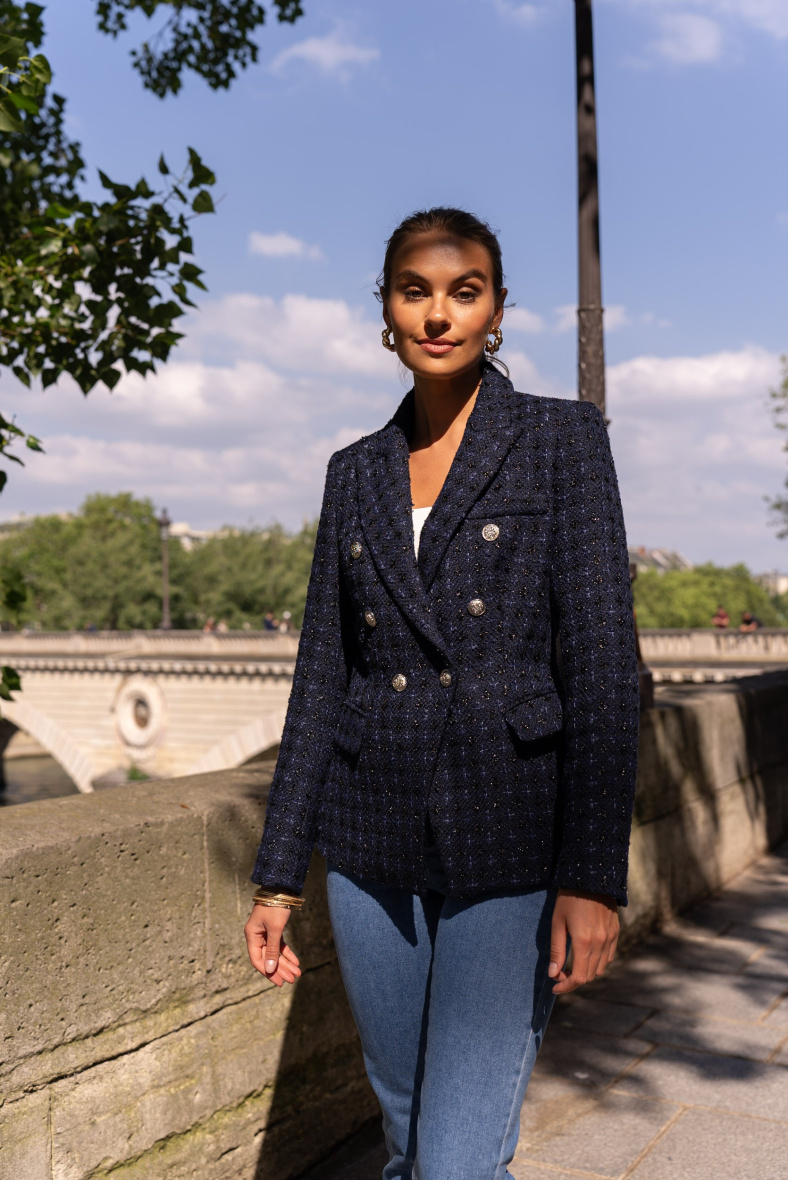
x,y
591,342
164,523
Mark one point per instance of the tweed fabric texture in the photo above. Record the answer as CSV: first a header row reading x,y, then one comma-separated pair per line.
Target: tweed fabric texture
x,y
526,761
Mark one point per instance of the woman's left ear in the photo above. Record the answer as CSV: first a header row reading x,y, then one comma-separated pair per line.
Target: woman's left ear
x,y
496,321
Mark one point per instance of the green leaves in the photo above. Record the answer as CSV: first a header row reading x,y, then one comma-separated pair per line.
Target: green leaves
x,y
211,37
10,681
90,288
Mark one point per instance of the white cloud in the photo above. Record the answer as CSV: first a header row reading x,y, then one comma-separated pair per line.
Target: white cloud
x,y
696,453
718,377
334,55
616,317
523,14
688,39
240,424
566,317
282,245
297,333
519,319
692,32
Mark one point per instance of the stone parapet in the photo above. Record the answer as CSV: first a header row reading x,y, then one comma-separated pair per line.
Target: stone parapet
x,y
137,1041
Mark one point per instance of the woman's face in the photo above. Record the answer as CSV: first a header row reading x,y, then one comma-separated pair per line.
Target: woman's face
x,y
441,304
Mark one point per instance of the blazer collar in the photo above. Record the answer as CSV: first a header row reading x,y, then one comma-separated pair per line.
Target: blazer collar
x,y
385,499
493,427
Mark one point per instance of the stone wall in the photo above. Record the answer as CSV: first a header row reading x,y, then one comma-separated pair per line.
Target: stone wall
x,y
137,1042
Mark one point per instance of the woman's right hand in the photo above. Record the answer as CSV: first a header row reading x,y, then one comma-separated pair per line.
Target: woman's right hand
x,y
268,952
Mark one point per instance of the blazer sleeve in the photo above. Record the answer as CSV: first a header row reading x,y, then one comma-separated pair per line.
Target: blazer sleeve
x,y
320,682
593,598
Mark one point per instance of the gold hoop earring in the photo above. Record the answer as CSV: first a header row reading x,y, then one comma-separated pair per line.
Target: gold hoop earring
x,y
386,335
493,345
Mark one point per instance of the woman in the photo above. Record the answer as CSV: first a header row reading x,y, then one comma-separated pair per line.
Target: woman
x,y
461,737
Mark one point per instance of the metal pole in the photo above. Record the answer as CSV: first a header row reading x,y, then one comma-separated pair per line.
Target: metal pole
x,y
164,532
591,342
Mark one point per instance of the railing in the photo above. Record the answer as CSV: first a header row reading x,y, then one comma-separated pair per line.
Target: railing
x,y
768,645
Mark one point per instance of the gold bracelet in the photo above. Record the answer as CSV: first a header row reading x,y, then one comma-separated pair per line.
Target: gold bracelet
x,y
284,900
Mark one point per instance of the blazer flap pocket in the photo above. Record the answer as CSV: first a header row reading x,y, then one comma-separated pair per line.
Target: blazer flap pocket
x,y
536,717
497,504
350,727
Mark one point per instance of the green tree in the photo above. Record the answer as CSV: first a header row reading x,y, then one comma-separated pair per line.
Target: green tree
x,y
778,505
101,567
241,574
689,598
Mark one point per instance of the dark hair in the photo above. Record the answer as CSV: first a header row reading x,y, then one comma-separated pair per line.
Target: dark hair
x,y
451,221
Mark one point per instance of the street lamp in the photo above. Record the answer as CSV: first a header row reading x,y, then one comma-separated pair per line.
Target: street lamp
x,y
164,523
591,341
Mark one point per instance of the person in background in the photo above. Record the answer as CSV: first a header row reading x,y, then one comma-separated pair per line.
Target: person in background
x,y
209,624
269,622
749,622
222,626
286,625
721,619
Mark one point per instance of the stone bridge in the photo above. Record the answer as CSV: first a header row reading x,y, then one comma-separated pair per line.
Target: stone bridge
x,y
182,702
164,703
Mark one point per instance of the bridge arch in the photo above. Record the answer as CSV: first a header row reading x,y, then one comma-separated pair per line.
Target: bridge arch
x,y
55,740
245,743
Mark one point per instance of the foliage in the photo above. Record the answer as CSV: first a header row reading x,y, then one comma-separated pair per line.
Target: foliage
x,y
689,598
242,573
211,37
778,505
85,287
102,568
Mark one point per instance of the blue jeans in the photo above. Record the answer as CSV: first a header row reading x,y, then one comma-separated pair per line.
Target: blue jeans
x,y
451,1000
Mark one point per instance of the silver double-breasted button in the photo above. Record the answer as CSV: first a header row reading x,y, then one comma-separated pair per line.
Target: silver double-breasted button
x,y
355,549
476,607
369,618
491,532
446,678
399,682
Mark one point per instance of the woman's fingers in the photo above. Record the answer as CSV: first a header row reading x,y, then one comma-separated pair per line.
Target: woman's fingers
x,y
267,952
591,922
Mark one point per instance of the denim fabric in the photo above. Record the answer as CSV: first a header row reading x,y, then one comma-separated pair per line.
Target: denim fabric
x,y
451,999
512,725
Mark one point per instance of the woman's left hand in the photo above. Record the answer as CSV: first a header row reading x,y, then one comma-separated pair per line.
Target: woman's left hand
x,y
591,921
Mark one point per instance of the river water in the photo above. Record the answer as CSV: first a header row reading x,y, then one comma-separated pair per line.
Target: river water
x,y
29,779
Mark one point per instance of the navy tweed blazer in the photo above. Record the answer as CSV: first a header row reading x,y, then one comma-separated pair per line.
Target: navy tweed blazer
x,y
491,685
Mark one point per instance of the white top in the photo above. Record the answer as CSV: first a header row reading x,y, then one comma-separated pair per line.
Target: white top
x,y
419,517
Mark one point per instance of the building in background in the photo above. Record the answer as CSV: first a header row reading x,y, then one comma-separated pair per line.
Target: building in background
x,y
657,559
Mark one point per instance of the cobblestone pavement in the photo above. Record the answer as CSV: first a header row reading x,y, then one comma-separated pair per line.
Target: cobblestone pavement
x,y
672,1067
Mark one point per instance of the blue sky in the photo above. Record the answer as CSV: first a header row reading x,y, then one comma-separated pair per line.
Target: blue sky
x,y
360,113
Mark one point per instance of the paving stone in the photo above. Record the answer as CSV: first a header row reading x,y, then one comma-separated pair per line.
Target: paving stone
x,y
549,1099
703,1079
361,1159
705,1145
779,1017
606,1139
585,1057
759,934
599,1016
772,963
752,1041
720,954
524,1171
694,992
782,1056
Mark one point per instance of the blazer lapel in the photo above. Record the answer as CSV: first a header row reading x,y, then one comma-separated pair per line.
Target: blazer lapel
x,y
492,429
385,510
